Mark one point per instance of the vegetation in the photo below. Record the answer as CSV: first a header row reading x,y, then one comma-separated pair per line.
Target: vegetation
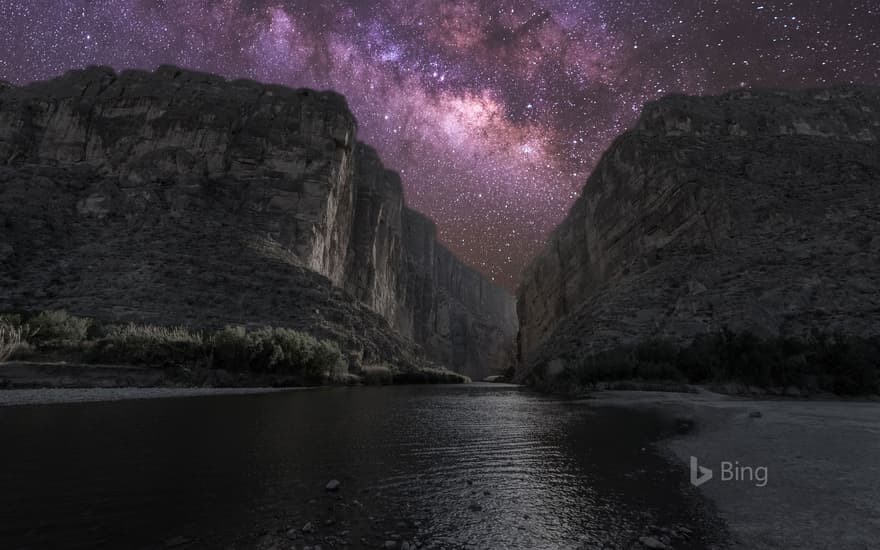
x,y
430,376
10,339
148,345
57,329
274,350
377,375
283,355
837,363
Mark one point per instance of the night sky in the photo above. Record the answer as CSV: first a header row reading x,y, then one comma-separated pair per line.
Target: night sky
x,y
493,112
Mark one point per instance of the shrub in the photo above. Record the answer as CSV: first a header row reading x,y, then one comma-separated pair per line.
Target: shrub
x,y
57,329
11,319
428,376
10,340
148,344
377,375
274,350
837,363
230,349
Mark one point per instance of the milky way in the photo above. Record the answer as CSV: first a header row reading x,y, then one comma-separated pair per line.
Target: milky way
x,y
493,112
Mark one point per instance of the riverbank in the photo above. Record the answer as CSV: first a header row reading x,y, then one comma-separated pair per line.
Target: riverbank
x,y
55,349
18,375
47,396
822,461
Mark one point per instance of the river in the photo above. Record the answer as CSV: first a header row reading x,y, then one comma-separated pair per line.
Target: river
x,y
472,466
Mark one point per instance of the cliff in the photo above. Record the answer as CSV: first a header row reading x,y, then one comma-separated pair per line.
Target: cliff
x,y
754,210
180,197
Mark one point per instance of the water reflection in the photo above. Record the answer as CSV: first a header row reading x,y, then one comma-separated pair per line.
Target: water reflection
x,y
473,467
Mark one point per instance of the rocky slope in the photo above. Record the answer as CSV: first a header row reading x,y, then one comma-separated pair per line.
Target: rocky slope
x,y
754,210
179,197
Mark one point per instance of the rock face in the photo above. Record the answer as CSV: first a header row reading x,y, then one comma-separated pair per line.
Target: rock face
x,y
179,197
753,211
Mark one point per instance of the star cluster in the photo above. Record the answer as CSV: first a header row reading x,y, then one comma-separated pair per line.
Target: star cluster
x,y
494,112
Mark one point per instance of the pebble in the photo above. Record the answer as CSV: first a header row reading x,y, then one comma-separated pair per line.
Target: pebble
x,y
755,414
332,485
308,528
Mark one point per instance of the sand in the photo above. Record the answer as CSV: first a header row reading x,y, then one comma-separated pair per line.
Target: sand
x,y
822,461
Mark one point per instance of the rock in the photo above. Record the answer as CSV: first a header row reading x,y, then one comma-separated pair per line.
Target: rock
x,y
390,544
406,546
308,528
755,414
173,191
684,424
475,507
332,485
756,213
651,542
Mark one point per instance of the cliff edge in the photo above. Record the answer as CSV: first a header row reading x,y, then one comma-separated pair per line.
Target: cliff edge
x,y
752,211
178,197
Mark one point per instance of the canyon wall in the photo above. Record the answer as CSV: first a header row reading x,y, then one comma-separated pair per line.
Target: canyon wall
x,y
180,197
754,210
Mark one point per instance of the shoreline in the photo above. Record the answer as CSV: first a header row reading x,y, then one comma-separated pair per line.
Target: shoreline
x,y
821,459
52,396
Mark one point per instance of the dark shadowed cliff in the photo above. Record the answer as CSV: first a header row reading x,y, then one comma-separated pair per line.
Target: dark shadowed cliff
x,y
179,197
755,210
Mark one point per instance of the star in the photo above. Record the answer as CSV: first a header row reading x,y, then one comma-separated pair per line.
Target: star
x,y
494,112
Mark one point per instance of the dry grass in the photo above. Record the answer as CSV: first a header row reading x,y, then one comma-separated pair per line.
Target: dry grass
x,y
10,340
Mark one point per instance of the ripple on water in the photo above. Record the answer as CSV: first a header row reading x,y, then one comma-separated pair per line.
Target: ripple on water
x,y
472,467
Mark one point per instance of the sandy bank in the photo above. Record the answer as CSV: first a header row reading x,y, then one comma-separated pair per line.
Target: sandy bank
x,y
77,395
822,462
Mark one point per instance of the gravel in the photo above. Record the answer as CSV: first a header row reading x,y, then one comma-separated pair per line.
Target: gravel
x,y
822,460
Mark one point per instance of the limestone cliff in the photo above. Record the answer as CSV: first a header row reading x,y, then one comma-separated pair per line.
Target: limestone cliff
x,y
754,210
179,197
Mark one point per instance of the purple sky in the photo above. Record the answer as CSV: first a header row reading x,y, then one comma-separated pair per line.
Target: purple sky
x,y
493,112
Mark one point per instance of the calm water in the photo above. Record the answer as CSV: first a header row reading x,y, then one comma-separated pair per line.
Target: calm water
x,y
451,466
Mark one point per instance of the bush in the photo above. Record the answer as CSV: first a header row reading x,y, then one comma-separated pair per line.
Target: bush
x,y
377,375
150,345
428,376
274,350
231,349
836,363
10,340
11,319
57,329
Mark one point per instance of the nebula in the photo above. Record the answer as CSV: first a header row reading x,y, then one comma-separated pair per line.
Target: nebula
x,y
493,112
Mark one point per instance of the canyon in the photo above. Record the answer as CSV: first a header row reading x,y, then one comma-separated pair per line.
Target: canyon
x,y
176,197
751,211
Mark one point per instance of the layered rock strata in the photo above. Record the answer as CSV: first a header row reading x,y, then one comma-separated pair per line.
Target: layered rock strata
x,y
754,210
180,197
